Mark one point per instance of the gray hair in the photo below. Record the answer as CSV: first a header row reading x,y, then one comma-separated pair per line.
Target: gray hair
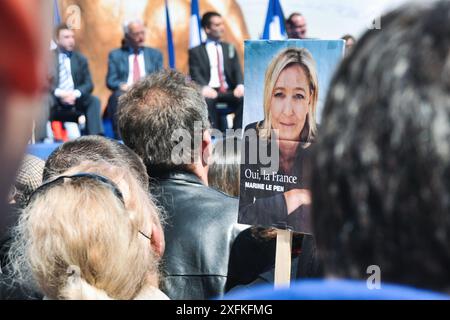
x,y
126,25
94,148
154,110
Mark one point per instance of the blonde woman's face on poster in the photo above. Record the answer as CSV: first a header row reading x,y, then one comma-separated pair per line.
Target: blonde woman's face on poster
x,y
289,103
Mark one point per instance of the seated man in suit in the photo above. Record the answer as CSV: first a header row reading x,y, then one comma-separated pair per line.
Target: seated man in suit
x,y
215,66
72,85
129,64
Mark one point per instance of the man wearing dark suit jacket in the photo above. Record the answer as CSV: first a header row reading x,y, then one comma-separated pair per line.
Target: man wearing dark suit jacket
x,y
72,85
215,66
129,64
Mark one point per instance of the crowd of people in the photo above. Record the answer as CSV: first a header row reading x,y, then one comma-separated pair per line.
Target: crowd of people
x,y
155,217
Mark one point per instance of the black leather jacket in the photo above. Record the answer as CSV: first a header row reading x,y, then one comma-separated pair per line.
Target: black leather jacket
x,y
200,228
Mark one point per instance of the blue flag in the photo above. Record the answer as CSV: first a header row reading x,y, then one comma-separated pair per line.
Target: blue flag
x,y
56,22
56,16
170,49
195,36
274,28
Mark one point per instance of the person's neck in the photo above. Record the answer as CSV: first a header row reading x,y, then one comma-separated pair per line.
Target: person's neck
x,y
153,280
62,50
134,48
201,172
151,290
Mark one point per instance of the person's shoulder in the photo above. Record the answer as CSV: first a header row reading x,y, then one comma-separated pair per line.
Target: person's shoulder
x,y
197,48
226,204
224,200
230,46
153,51
205,197
220,194
54,53
78,55
116,52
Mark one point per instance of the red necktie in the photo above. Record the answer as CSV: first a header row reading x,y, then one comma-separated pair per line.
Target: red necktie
x,y
219,69
136,70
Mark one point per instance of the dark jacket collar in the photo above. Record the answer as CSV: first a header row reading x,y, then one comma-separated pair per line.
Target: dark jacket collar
x,y
175,175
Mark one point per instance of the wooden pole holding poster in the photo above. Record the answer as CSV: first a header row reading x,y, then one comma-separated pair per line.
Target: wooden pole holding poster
x,y
283,259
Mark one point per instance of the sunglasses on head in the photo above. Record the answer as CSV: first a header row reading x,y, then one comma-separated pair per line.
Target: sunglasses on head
x,y
92,176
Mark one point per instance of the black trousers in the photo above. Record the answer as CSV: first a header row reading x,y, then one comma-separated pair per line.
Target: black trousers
x,y
54,110
89,106
232,102
40,130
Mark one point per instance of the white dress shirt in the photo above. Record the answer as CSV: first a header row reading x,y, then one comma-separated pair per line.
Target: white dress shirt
x,y
214,81
58,91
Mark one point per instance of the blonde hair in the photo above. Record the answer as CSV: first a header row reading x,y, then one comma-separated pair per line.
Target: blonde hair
x,y
284,59
78,239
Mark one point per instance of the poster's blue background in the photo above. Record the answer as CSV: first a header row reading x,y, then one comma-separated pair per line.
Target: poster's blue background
x,y
259,54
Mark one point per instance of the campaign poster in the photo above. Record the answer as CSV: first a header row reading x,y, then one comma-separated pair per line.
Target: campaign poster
x,y
286,83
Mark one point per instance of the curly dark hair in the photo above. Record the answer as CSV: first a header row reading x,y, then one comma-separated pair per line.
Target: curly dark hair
x,y
381,192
